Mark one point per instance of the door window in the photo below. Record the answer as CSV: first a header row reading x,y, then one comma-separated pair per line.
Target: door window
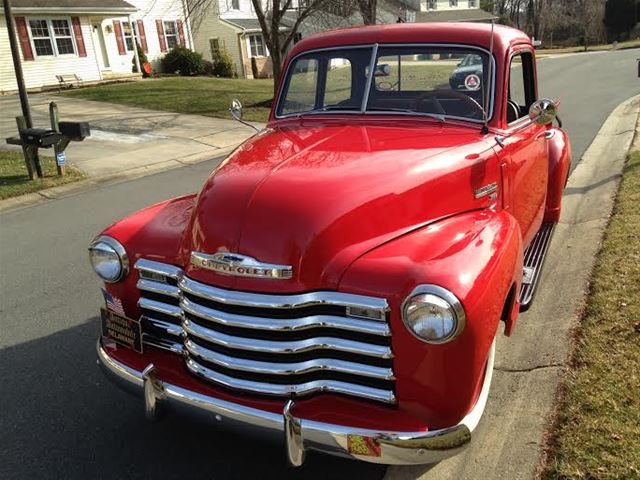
x,y
521,86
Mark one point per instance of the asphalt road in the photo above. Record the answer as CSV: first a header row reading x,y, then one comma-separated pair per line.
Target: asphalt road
x,y
59,418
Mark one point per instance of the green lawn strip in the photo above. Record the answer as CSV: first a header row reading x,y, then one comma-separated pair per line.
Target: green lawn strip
x,y
598,426
592,48
197,95
14,178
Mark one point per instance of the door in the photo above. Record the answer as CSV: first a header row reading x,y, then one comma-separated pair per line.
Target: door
x,y
526,149
100,46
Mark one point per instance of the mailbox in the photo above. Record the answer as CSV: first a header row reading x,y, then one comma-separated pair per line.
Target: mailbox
x,y
40,137
76,131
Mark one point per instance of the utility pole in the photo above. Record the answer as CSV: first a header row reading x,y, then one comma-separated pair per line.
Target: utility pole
x,y
17,65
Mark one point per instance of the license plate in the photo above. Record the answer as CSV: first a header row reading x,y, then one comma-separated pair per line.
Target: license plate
x,y
122,330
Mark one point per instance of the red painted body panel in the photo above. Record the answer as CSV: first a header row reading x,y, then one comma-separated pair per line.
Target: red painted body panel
x,y
372,206
559,155
318,197
474,255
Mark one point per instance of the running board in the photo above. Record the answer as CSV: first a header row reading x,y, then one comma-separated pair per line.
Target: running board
x,y
534,257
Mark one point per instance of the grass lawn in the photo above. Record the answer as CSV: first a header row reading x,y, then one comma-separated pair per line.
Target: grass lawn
x,y
198,95
598,431
14,179
212,96
592,48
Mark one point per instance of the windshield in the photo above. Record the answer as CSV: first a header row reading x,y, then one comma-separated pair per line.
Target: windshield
x,y
419,80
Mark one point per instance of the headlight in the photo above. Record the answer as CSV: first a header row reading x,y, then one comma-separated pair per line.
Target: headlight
x,y
433,314
109,259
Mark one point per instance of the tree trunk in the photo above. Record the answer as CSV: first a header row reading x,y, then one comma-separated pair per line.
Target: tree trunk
x,y
276,61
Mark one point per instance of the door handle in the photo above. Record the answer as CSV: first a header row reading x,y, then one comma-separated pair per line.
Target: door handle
x,y
547,134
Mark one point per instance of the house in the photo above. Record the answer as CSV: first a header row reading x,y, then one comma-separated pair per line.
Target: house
x,y
93,39
232,25
452,11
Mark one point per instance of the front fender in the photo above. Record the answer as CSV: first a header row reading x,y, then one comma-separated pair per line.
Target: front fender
x,y
155,233
478,257
559,151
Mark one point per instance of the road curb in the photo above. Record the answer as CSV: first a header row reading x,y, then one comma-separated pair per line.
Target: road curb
x,y
54,193
510,439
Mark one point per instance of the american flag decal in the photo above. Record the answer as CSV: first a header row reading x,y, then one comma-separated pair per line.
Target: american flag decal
x,y
113,303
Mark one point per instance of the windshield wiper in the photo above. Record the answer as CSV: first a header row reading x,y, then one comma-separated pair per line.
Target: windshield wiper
x,y
436,116
328,108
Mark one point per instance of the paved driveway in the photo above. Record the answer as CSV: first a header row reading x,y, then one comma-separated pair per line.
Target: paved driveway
x,y
124,138
61,419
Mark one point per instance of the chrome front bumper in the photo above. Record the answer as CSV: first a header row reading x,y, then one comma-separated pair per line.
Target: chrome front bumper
x,y
393,448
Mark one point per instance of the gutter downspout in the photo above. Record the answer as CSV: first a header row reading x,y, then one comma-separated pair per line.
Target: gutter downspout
x,y
135,44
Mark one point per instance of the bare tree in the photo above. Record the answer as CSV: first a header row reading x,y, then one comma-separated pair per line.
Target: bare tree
x,y
368,10
271,16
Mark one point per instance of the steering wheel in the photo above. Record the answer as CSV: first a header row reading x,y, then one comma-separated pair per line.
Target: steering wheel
x,y
386,86
433,95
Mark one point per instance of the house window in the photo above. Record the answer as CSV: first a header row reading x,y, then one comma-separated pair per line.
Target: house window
x,y
128,36
432,5
214,45
256,44
472,3
52,37
233,4
171,34
453,3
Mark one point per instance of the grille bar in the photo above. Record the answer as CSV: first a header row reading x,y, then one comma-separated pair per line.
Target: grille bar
x,y
275,345
160,307
296,368
158,288
258,300
282,325
263,388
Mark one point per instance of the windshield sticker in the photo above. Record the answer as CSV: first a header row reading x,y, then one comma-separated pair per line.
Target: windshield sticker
x,y
472,82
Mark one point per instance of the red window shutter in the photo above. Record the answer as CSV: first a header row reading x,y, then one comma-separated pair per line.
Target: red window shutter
x,y
23,37
180,32
117,28
163,42
77,32
143,36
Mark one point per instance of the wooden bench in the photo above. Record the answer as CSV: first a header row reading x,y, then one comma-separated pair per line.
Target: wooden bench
x,y
68,81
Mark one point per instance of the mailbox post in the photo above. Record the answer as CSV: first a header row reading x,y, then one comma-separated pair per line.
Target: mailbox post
x,y
58,138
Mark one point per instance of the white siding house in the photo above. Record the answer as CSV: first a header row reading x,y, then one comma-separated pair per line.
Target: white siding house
x,y
93,39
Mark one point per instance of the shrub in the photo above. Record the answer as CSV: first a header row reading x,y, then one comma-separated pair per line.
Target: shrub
x,y
207,67
223,64
143,60
181,59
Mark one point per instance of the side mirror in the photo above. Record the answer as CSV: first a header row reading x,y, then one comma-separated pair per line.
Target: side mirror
x,y
236,109
382,70
543,111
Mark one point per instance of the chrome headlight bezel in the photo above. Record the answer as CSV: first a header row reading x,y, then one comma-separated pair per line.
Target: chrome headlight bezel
x,y
441,298
105,244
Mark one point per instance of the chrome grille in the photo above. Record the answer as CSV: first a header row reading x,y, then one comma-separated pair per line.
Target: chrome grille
x,y
279,345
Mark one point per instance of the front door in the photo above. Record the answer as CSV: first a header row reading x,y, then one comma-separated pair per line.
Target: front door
x,y
526,149
100,46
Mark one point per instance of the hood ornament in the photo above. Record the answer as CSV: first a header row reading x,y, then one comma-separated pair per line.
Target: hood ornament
x,y
239,265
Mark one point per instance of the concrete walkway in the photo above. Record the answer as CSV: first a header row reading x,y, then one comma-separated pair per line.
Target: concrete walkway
x,y
127,138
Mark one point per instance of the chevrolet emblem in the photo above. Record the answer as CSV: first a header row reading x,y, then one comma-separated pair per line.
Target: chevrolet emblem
x,y
239,265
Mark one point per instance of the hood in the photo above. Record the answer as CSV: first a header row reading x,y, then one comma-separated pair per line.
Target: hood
x,y
316,198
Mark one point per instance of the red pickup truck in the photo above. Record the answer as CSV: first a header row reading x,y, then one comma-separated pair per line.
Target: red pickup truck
x,y
340,279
